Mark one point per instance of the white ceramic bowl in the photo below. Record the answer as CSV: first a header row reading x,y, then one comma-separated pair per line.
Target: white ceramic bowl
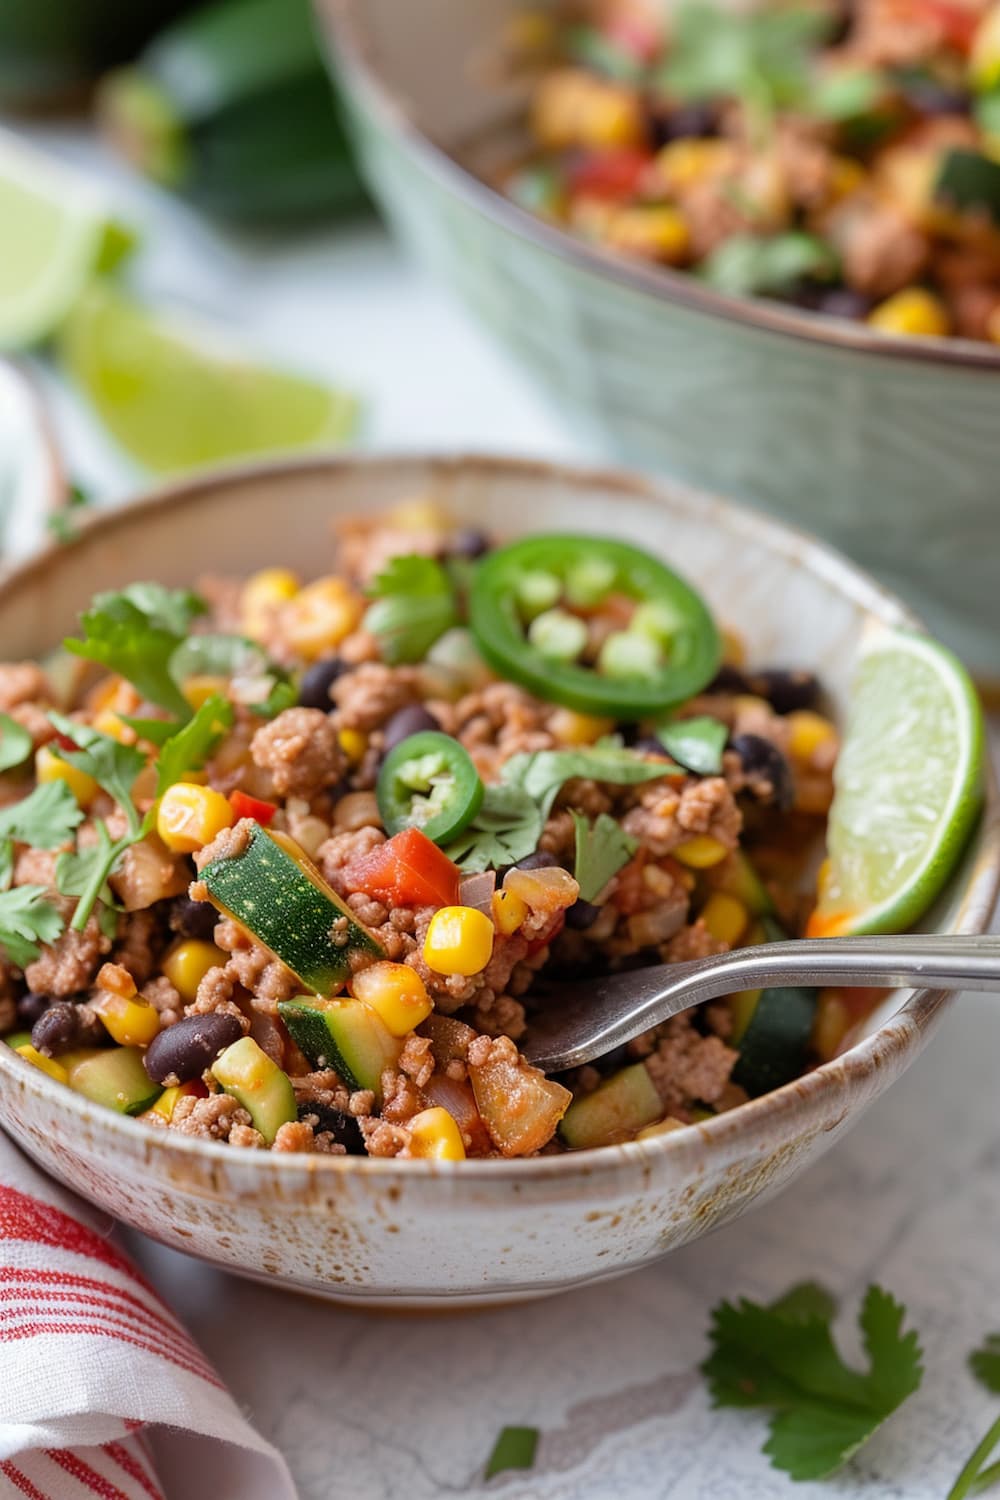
x,y
417,1234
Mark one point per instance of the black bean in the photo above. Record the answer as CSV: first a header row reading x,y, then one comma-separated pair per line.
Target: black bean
x,y
764,763
343,1127
929,97
538,859
193,919
690,121
406,721
317,680
58,1028
786,689
650,745
184,1050
728,679
31,1007
468,543
581,915
843,302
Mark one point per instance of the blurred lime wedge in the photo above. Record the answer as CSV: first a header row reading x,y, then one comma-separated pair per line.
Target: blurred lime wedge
x,y
55,235
176,398
908,786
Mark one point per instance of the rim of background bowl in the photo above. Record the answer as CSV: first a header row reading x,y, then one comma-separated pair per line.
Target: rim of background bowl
x,y
661,282
898,1033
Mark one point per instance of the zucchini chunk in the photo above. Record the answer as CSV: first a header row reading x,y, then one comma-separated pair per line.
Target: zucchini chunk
x,y
345,1035
969,182
247,1073
615,1111
775,1043
112,1076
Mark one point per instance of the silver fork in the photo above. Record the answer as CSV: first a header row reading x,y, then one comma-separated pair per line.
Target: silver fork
x,y
580,1020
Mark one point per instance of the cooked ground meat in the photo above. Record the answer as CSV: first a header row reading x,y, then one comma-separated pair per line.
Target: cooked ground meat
x,y
68,965
372,693
22,682
301,750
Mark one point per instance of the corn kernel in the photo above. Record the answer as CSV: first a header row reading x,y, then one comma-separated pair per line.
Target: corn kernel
x,y
459,941
725,918
263,594
319,617
114,693
435,1136
396,993
190,816
47,1065
832,1022
131,1023
571,728
354,744
187,963
51,767
701,852
167,1102
574,108
915,313
742,1005
807,732
509,911
654,231
107,722
984,56
846,176
682,164
198,689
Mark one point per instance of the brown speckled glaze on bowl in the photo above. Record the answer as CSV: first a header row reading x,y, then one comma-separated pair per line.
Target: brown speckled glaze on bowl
x,y
419,1234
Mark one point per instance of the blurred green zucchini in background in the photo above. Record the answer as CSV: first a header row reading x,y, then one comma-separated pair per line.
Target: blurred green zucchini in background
x,y
232,107
50,48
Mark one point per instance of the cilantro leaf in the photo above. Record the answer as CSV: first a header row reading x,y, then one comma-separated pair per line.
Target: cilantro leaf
x,y
114,766
542,773
45,820
415,603
191,746
747,265
26,920
135,633
76,875
976,1474
762,58
984,1363
166,609
257,682
507,826
602,848
15,743
697,744
514,1449
783,1356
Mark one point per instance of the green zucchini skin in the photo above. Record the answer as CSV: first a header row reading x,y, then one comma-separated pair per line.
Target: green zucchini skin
x,y
232,107
774,1047
344,1035
969,182
253,1080
268,891
616,1109
114,1077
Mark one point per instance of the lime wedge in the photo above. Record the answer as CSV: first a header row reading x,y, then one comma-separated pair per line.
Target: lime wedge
x,y
176,398
908,786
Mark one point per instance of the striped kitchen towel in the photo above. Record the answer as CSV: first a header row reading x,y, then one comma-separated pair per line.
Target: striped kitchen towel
x,y
102,1391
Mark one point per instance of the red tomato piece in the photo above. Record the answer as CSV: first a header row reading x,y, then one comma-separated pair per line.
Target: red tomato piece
x,y
957,22
245,806
614,173
407,869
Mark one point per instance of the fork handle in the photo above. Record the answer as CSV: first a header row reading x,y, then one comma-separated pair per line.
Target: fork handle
x,y
927,961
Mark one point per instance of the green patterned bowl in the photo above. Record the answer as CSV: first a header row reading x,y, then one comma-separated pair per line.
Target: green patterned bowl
x,y
888,447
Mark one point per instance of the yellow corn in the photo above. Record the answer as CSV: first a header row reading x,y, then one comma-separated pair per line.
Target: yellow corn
x,y
682,164
420,513
50,767
914,312
45,1064
459,941
509,911
434,1135
984,58
396,993
190,816
573,108
662,1127
167,1102
316,621
197,690
571,728
114,693
131,1023
807,732
742,1005
734,651
832,1022
354,744
656,231
846,176
187,963
263,594
701,852
725,917
107,722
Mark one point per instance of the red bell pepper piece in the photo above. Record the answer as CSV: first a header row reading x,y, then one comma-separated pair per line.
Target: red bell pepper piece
x,y
407,869
613,173
245,806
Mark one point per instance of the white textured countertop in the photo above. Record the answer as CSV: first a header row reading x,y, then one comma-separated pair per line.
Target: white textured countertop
x,y
374,1406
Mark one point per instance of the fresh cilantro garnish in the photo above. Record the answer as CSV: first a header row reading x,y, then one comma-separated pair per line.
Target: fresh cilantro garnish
x,y
135,633
783,1356
846,94
26,920
415,603
76,875
542,773
15,743
60,524
113,766
44,820
513,1449
602,848
190,747
256,681
984,1363
696,744
977,1475
507,826
590,47
748,265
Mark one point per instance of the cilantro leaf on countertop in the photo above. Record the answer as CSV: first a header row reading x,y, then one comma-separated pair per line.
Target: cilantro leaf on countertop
x,y
16,743
602,848
45,819
978,1475
543,773
984,1363
414,603
696,744
783,1356
514,1449
135,633
190,747
507,826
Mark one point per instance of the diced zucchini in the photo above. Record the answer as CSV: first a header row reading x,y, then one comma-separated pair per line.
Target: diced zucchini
x,y
969,182
17,1039
774,1046
345,1035
247,1073
274,891
737,877
617,1109
112,1076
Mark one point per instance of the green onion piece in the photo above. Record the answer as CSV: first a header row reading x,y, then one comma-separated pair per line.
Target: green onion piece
x,y
557,635
513,1449
625,654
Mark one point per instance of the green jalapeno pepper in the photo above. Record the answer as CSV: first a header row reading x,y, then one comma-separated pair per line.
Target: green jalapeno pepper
x,y
428,782
668,649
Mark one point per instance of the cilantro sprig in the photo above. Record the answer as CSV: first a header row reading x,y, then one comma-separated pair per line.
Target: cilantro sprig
x,y
697,743
977,1473
415,602
514,1448
45,820
543,773
26,917
602,849
135,633
507,827
16,743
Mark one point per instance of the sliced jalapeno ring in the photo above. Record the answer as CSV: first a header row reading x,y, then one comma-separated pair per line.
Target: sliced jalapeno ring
x,y
428,782
643,672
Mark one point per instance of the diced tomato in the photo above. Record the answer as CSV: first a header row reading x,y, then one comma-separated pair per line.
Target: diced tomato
x,y
64,742
407,869
245,806
956,22
613,173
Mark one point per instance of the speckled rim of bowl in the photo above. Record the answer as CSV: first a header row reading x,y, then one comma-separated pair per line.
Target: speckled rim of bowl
x,y
797,1099
349,49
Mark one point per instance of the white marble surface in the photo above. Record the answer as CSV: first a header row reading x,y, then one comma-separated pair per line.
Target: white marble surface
x,y
409,1407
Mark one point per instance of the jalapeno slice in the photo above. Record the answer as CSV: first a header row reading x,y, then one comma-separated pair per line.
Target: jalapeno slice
x,y
428,782
664,648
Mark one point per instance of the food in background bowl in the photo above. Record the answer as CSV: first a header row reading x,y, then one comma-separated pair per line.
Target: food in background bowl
x,y
839,158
